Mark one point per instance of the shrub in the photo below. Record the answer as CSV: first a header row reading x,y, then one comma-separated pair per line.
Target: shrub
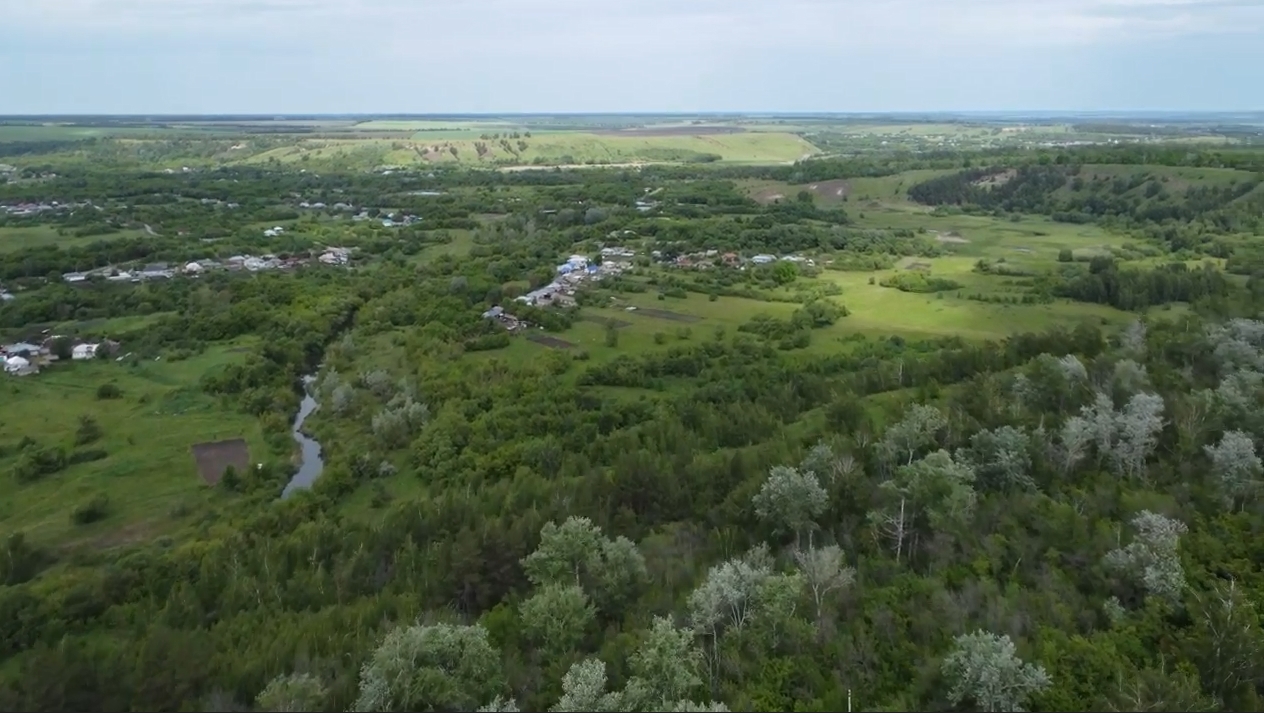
x,y
109,391
92,511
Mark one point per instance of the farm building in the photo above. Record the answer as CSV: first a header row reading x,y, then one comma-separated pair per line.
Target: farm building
x,y
22,349
17,366
84,351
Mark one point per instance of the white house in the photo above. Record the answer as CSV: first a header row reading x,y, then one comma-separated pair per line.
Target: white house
x,y
763,259
193,268
17,366
84,351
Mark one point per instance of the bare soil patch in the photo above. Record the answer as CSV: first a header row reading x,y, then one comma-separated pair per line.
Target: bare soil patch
x,y
604,321
550,342
664,314
214,458
769,196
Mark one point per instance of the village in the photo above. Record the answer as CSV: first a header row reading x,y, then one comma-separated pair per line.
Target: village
x,y
579,270
336,256
27,359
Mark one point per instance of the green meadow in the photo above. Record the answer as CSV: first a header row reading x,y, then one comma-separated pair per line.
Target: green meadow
x,y
148,473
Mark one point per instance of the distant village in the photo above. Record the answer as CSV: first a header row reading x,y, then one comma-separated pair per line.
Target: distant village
x,y
27,359
579,270
21,210
160,271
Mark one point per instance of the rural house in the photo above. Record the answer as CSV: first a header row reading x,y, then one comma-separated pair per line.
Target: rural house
x,y
18,366
84,351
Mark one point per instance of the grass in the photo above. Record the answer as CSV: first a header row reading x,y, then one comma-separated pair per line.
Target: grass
x,y
461,244
149,474
14,239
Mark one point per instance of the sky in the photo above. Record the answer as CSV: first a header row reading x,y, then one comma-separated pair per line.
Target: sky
x,y
564,56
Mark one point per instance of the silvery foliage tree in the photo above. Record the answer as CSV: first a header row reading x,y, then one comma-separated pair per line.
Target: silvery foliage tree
x,y
1238,344
1236,465
576,552
1236,401
292,693
1126,437
985,669
379,382
665,671
1138,426
740,593
790,499
936,488
1130,377
1075,442
1133,339
824,571
1153,558
401,418
1073,370
339,394
828,465
500,704
435,667
915,432
557,616
1001,457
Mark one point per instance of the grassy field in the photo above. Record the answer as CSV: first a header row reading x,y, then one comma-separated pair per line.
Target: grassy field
x,y
149,474
12,239
545,149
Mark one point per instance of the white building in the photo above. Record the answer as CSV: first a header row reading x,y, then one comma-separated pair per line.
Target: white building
x,y
17,366
84,351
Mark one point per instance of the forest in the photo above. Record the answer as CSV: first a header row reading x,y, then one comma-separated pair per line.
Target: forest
x,y
778,512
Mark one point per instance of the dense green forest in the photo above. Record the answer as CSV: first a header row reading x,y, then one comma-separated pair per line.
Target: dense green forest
x,y
806,511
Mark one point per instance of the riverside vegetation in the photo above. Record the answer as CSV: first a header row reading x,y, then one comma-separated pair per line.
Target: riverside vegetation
x,y
996,447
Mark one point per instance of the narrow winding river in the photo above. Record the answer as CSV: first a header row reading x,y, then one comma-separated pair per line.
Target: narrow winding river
x,y
310,463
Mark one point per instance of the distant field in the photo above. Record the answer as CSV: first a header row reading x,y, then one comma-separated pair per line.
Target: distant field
x,y
149,471
424,125
547,149
10,132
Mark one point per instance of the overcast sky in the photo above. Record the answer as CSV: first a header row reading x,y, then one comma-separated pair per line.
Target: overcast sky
x,y
488,56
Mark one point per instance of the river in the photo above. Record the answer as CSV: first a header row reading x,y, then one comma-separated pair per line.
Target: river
x,y
310,464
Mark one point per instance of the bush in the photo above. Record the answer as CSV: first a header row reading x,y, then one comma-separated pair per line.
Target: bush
x,y
92,511
89,430
109,391
921,283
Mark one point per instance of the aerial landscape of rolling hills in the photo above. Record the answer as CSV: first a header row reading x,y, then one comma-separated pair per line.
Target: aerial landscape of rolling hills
x,y
832,356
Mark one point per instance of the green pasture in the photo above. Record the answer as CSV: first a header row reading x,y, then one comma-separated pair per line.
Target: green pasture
x,y
149,474
38,236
